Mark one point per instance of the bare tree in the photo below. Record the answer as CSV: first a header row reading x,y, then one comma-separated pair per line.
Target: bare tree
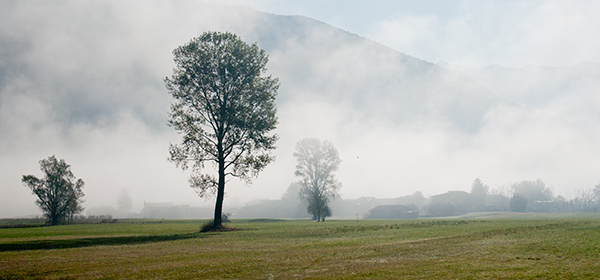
x,y
584,200
225,110
597,192
503,191
317,162
59,193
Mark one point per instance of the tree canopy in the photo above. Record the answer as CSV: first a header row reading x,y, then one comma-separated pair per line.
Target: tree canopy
x,y
478,189
59,193
225,110
317,162
533,190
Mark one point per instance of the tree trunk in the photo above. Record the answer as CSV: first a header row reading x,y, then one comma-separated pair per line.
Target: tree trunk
x,y
217,222
53,215
53,219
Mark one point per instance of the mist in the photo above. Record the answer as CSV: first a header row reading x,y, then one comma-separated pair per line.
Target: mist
x,y
84,81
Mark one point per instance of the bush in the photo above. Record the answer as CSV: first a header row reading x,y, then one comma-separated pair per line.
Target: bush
x,y
208,226
225,217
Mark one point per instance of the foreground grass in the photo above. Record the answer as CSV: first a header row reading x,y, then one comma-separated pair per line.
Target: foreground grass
x,y
471,247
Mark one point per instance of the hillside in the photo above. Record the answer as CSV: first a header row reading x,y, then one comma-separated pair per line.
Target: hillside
x,y
316,61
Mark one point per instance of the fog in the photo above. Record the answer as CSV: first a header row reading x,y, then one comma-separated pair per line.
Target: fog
x,y
84,81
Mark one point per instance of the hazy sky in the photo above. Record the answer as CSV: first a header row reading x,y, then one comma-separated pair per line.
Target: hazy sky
x,y
510,33
83,80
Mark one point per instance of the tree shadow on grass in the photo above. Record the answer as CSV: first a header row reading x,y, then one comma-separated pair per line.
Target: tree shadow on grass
x,y
96,241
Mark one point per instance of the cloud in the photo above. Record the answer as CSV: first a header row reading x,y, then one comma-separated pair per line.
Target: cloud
x,y
508,33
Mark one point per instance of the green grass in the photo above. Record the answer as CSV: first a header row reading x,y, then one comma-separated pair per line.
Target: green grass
x,y
474,246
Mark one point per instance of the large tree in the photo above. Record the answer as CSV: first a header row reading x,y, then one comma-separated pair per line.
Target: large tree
x,y
59,193
317,162
225,110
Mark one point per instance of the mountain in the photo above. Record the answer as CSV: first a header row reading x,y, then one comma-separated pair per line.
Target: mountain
x,y
316,61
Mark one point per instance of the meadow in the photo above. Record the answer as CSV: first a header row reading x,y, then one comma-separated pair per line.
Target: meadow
x,y
476,246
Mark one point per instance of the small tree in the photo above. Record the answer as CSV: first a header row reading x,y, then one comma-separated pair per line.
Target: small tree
x,y
124,201
59,193
225,111
317,162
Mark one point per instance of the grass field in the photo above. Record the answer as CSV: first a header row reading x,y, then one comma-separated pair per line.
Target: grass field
x,y
476,246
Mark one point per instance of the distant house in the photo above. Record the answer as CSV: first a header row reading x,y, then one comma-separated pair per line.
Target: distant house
x,y
451,203
392,212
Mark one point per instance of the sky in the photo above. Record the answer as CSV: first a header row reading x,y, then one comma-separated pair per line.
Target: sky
x,y
471,33
83,81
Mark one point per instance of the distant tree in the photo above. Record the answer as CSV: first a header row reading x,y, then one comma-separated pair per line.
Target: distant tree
x,y
292,201
584,200
317,162
533,190
504,191
597,192
124,201
479,191
292,192
518,203
59,193
225,111
561,203
418,194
